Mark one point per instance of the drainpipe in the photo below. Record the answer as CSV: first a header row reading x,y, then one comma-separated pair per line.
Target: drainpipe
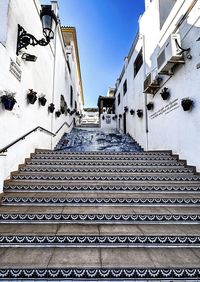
x,y
145,97
54,78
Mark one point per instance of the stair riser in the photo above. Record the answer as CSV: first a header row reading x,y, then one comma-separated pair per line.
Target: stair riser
x,y
95,241
100,202
118,178
104,158
103,274
96,219
167,163
101,189
106,170
103,153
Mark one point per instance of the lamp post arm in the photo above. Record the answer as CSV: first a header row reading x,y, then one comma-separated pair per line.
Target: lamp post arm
x,y
24,39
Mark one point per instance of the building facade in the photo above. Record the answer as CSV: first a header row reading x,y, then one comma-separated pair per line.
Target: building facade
x,y
160,76
51,71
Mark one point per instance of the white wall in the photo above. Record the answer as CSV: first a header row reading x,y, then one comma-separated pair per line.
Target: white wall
x,y
169,127
107,122
48,76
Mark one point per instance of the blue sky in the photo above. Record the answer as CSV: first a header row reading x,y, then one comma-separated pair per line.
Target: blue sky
x,y
105,31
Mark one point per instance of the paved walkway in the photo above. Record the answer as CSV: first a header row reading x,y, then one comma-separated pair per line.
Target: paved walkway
x,y
95,139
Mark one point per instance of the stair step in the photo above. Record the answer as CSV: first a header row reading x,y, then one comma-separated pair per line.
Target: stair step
x,y
102,263
81,230
122,241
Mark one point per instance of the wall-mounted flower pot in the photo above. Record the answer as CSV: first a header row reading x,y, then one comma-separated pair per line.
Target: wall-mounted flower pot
x,y
57,113
62,109
187,104
69,111
51,108
140,113
103,117
165,94
126,109
31,96
8,101
42,101
120,116
114,118
77,114
132,112
150,106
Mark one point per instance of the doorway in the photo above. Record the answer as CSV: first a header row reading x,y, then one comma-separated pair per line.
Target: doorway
x,y
124,119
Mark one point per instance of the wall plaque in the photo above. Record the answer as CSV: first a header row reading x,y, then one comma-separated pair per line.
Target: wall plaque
x,y
15,70
167,109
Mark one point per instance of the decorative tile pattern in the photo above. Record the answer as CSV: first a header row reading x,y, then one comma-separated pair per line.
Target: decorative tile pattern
x,y
105,169
104,273
98,218
82,140
102,201
78,177
101,188
94,241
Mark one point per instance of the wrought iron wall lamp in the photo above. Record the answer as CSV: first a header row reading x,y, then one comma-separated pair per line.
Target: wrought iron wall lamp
x,y
49,22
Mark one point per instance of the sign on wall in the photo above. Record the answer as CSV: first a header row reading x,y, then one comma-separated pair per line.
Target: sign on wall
x,y
172,106
108,119
15,70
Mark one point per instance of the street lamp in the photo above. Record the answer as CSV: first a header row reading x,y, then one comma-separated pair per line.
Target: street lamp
x,y
49,22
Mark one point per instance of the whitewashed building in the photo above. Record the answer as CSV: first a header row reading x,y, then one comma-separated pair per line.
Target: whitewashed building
x,y
52,71
164,59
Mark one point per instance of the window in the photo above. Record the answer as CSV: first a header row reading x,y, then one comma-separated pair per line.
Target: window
x,y
118,99
125,87
71,96
138,63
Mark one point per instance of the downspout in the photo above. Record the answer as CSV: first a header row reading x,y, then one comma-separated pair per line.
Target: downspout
x,y
145,97
54,78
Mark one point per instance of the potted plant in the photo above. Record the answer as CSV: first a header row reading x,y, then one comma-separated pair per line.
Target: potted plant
x,y
32,96
150,106
103,117
51,108
120,116
126,109
132,112
140,113
69,111
165,93
57,113
42,100
187,104
8,100
62,109
114,118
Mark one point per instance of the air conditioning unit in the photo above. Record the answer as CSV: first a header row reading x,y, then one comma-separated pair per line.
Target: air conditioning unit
x,y
152,83
170,55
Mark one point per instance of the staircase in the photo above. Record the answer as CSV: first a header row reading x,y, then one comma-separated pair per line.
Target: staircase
x,y
101,216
